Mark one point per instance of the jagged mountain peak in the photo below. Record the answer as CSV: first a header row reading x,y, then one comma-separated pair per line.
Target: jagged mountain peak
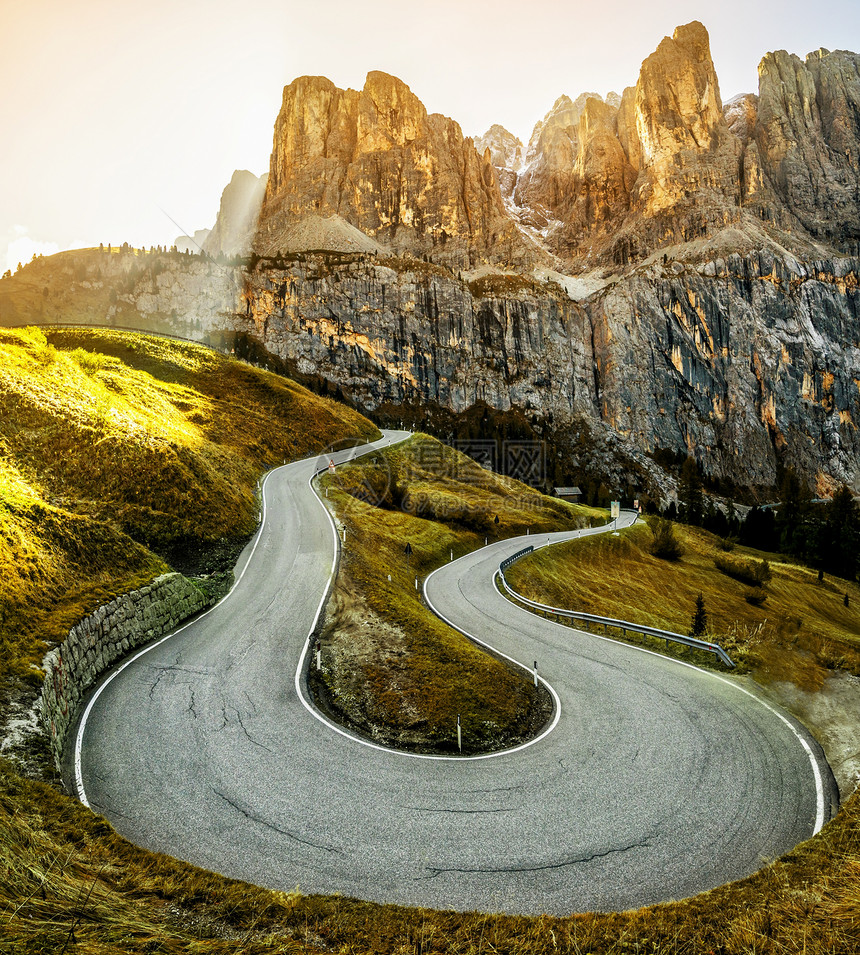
x,y
375,158
611,179
236,224
506,150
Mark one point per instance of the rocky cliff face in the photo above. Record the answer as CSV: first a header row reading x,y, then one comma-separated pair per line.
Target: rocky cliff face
x,y
237,217
747,363
807,142
601,182
666,164
691,295
377,160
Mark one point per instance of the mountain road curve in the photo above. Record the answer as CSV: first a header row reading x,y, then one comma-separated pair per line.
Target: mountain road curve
x,y
656,781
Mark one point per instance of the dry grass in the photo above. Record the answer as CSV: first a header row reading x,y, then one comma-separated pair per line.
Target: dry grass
x,y
393,669
802,629
69,880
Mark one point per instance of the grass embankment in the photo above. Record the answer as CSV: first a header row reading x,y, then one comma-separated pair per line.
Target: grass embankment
x,y
121,455
801,630
392,669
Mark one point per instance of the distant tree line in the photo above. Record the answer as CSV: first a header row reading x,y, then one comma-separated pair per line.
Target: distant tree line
x,y
822,534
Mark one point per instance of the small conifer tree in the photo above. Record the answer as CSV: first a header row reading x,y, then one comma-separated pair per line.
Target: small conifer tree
x,y
700,618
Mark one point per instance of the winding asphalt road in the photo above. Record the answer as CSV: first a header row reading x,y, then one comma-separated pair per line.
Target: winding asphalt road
x,y
656,782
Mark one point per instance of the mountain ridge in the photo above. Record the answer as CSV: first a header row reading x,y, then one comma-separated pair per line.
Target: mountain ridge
x,y
661,272
601,182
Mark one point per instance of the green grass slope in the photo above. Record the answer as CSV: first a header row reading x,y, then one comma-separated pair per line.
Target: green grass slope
x,y
121,455
392,669
799,629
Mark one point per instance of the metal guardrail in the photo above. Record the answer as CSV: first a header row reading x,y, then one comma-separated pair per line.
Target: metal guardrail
x,y
509,560
606,622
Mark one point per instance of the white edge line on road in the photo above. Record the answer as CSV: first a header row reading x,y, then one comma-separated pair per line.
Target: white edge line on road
x,y
79,783
79,738
385,749
816,769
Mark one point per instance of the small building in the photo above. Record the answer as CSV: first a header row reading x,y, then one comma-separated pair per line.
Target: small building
x,y
572,494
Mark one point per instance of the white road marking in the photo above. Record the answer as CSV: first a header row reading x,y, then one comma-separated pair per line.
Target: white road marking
x,y
816,770
79,783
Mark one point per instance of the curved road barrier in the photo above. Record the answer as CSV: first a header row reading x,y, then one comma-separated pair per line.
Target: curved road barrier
x,y
623,625
658,781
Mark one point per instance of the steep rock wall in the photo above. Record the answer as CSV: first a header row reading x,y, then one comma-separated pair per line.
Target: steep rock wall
x,y
747,362
376,159
744,362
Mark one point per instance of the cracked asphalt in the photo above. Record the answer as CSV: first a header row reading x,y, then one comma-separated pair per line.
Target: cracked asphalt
x,y
658,782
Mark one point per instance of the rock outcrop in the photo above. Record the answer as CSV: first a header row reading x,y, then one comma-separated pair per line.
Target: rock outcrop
x,y
408,179
666,164
688,180
807,136
192,243
655,166
506,153
238,215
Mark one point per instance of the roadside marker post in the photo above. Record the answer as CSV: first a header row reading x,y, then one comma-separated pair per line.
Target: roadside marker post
x,y
459,735
535,672
319,659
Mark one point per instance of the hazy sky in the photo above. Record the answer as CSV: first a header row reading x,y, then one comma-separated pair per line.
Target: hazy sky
x,y
117,117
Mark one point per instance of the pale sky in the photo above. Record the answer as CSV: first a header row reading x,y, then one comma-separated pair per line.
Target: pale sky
x,y
118,117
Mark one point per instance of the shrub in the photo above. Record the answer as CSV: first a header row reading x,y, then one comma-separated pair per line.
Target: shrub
x,y
665,544
89,361
756,596
756,573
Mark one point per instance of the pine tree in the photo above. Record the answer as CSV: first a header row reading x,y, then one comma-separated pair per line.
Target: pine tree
x,y
839,535
690,494
793,518
699,624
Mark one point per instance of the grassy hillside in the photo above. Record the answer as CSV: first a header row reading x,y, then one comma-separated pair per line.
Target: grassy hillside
x,y
68,883
799,629
121,454
393,670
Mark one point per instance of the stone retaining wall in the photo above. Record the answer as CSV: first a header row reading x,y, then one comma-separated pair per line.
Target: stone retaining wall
x,y
102,638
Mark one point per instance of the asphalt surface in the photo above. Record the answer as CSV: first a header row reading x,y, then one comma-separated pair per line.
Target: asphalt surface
x,y
658,780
